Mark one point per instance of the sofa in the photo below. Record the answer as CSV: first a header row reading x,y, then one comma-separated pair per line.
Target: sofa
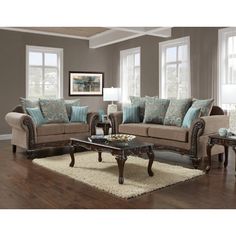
x,y
186,141
27,135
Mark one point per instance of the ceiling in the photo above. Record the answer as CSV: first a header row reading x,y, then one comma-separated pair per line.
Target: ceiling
x,y
98,36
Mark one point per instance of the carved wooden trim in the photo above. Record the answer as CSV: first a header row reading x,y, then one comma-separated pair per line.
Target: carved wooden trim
x,y
113,124
93,123
29,124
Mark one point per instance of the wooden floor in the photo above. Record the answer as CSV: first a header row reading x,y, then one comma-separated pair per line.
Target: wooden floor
x,y
26,185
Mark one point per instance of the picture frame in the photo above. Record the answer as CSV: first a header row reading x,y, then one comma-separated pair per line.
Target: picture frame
x,y
83,83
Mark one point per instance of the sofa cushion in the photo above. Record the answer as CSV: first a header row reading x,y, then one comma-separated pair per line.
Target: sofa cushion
x,y
54,110
134,128
155,110
76,128
69,104
169,132
29,103
36,115
191,115
131,113
176,111
79,114
49,129
205,105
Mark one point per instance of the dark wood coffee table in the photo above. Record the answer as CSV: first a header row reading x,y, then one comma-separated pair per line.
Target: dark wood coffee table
x,y
120,151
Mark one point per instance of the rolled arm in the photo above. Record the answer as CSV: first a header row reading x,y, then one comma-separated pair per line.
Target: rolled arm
x,y
116,119
214,123
22,122
92,119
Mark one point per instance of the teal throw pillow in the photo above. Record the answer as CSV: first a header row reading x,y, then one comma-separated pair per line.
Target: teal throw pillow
x,y
54,110
29,103
36,115
155,110
176,111
69,104
191,115
131,114
205,105
79,114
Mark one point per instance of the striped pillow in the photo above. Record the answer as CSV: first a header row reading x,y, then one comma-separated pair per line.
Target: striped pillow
x,y
131,114
79,114
36,115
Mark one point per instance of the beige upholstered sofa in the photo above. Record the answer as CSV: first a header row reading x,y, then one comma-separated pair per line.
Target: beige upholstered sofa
x,y
26,135
190,141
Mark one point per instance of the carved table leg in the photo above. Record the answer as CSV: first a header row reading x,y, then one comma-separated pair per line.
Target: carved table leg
x,y
209,147
220,157
100,156
226,156
121,162
150,154
72,150
234,148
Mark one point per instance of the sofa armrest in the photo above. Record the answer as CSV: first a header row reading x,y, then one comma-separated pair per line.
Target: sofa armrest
x,y
24,123
92,119
214,123
116,119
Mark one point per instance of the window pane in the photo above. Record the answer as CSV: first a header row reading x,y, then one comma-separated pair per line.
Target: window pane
x,y
231,71
35,75
50,91
232,45
183,83
137,59
50,76
35,58
171,54
171,81
50,59
35,90
182,53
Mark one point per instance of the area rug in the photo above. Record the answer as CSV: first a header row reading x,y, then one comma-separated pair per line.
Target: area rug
x,y
104,175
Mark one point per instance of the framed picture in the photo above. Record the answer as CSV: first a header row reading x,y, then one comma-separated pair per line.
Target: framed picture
x,y
86,83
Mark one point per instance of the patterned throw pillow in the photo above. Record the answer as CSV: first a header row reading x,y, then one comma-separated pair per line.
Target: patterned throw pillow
x,y
29,103
36,115
79,114
69,104
205,105
131,114
191,115
176,111
140,101
155,110
54,110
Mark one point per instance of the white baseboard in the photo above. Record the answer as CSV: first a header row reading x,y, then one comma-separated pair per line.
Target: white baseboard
x,y
5,136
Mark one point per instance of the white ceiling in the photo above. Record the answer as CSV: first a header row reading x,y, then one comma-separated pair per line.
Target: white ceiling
x,y
98,36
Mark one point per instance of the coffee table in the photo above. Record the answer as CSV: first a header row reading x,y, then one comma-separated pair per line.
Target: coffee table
x,y
120,151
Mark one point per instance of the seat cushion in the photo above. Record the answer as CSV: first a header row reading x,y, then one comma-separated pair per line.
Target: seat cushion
x,y
49,129
76,128
134,128
169,132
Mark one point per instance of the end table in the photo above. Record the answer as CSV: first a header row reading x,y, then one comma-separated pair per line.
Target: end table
x,y
105,125
224,141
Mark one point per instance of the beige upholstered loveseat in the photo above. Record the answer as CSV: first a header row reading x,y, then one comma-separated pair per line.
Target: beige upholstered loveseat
x,y
190,141
26,135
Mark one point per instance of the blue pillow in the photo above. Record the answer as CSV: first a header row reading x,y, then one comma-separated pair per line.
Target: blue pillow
x,y
191,115
79,114
131,114
36,115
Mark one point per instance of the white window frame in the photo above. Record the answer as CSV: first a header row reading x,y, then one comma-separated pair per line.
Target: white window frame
x,y
162,70
122,54
223,35
59,51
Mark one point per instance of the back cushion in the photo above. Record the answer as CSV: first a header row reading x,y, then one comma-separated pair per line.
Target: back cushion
x,y
176,111
205,105
29,103
69,104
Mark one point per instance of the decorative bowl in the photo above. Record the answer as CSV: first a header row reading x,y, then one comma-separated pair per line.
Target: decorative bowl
x,y
123,138
223,132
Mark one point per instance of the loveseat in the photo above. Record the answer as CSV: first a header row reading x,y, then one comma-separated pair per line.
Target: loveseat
x,y
27,135
187,141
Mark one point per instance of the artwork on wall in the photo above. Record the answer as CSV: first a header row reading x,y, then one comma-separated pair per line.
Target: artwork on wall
x,y
86,83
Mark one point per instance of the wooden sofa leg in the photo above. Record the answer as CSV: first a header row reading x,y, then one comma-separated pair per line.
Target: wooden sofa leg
x,y
14,148
220,157
196,163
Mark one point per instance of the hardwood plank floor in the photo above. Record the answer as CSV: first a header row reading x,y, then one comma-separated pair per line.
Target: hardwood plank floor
x,y
26,185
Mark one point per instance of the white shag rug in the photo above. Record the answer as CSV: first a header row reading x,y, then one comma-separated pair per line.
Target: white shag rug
x,y
104,175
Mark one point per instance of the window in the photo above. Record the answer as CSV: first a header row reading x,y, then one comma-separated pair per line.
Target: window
x,y
130,73
174,79
227,68
44,72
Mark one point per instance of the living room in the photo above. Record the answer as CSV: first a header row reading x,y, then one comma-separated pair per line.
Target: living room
x,y
117,117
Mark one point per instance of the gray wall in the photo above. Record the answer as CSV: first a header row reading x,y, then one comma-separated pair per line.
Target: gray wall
x,y
77,56
203,60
